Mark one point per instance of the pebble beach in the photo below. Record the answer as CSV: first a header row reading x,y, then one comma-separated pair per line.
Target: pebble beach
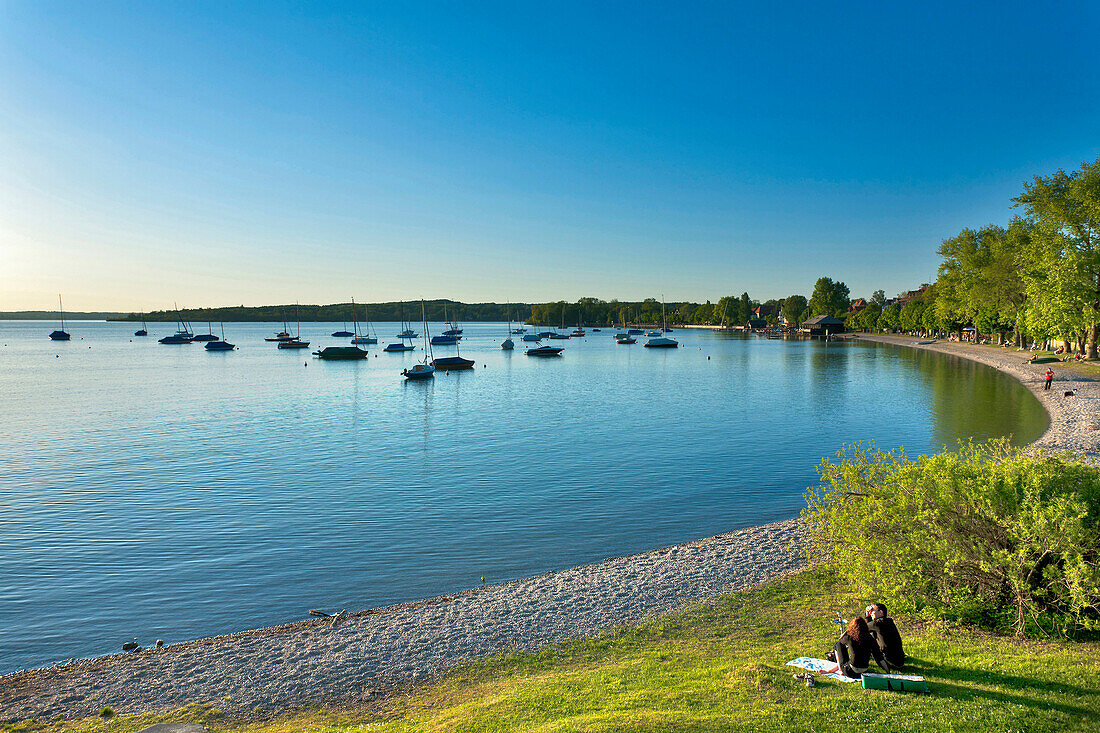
x,y
364,654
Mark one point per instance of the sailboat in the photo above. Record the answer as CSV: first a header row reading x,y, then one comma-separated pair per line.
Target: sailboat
x,y
220,345
454,330
424,369
283,335
659,341
508,344
296,342
182,336
143,331
345,352
60,334
361,338
555,334
344,332
205,336
406,328
451,363
449,338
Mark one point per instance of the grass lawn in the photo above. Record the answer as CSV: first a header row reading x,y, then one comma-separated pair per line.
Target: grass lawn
x,y
720,666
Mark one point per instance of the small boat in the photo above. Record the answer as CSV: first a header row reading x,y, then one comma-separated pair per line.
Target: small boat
x,y
454,330
408,333
652,334
205,336
545,351
635,331
340,352
182,336
444,340
577,332
659,341
399,347
532,337
60,334
143,331
666,330
344,332
626,340
452,363
283,335
419,371
364,338
219,344
518,331
296,342
545,334
556,335
424,369
596,330
508,344
622,335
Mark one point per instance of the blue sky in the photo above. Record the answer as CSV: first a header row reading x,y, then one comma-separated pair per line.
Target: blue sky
x,y
228,153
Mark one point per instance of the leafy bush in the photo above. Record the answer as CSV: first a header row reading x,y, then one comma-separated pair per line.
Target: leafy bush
x,y
985,534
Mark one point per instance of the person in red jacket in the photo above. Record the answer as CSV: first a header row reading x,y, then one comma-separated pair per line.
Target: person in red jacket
x,y
1050,377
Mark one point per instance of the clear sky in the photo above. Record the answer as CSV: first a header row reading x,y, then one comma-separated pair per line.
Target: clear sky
x,y
248,153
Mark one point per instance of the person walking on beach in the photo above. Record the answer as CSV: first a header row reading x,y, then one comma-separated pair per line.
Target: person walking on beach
x,y
1050,377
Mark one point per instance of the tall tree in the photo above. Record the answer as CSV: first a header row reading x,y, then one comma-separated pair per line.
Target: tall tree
x,y
829,298
1066,209
793,306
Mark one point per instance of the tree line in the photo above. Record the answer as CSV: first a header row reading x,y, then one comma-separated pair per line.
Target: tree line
x,y
1035,281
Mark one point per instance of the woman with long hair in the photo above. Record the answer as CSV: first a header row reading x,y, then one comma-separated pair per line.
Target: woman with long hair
x,y
855,649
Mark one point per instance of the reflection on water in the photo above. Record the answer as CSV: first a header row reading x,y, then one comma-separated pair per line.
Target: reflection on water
x,y
165,492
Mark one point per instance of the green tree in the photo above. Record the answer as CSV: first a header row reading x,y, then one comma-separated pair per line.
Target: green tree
x,y
829,298
793,306
1066,210
879,299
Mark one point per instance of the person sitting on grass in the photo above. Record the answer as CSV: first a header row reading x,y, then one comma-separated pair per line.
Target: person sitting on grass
x,y
854,650
885,634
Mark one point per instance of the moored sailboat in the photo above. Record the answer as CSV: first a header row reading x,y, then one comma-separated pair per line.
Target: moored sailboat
x,y
424,369
60,334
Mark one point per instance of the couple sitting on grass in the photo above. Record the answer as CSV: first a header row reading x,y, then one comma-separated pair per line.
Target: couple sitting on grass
x,y
871,636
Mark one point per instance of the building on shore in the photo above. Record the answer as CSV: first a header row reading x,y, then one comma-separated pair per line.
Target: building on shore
x,y
822,326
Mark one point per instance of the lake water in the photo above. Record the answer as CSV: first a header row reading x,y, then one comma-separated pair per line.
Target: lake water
x,y
166,492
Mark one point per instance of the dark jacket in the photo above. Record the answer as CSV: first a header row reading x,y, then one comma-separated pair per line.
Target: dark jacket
x,y
888,640
854,659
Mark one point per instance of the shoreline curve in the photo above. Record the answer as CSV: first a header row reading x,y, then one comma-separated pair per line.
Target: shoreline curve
x,y
369,652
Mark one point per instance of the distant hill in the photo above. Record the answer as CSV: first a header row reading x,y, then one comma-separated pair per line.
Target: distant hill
x,y
52,316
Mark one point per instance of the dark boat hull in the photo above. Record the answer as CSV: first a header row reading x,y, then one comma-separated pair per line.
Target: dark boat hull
x,y
59,336
545,351
452,363
340,353
219,346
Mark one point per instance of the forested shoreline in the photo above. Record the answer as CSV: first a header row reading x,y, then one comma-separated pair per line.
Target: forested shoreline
x,y
1036,281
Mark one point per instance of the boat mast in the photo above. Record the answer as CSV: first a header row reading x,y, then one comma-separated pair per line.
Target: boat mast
x,y
61,308
430,356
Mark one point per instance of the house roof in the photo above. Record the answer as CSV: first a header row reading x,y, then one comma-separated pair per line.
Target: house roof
x,y
823,321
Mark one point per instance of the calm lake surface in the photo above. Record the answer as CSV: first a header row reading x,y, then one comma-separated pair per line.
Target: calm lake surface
x,y
165,492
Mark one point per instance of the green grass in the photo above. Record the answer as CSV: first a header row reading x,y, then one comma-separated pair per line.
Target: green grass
x,y
720,666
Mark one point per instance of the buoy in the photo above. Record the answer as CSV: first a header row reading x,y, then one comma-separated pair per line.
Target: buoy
x,y
160,643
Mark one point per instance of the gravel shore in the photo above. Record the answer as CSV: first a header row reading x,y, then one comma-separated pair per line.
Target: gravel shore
x,y
1074,421
315,663
312,663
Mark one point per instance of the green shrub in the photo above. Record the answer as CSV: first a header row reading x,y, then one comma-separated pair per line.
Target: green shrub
x,y
985,534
